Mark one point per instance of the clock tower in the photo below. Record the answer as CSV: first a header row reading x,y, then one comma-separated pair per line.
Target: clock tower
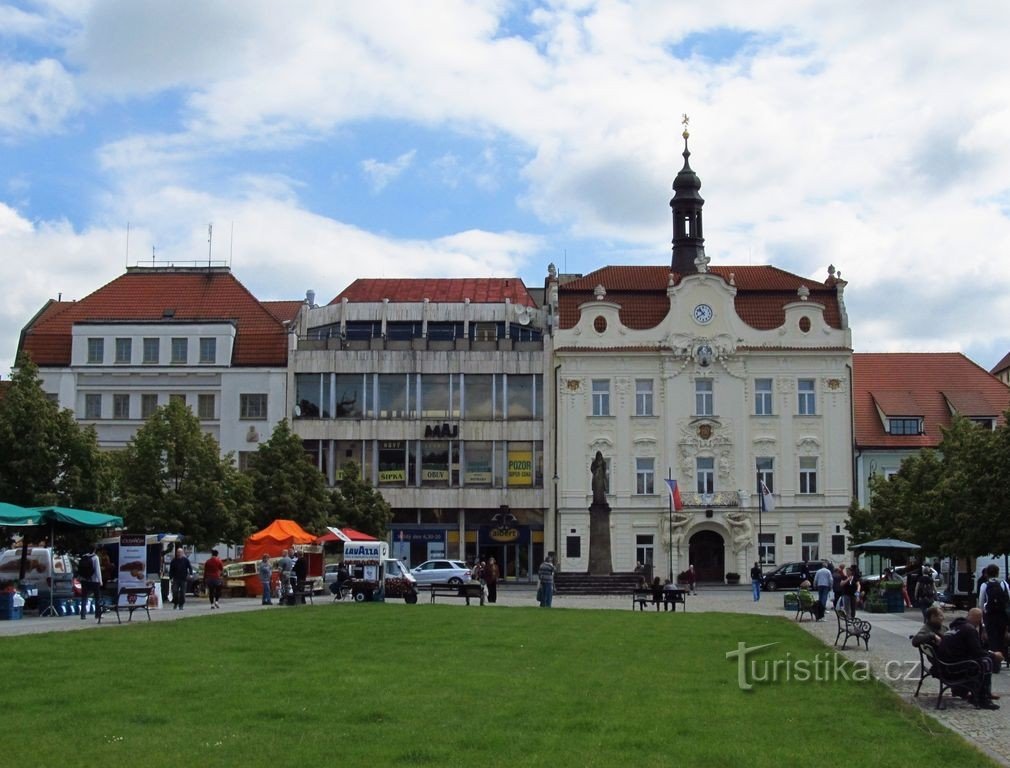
x,y
688,239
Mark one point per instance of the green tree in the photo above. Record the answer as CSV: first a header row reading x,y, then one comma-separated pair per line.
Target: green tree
x,y
359,505
46,457
172,479
286,484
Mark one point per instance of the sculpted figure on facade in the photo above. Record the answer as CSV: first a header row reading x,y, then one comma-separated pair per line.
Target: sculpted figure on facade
x,y
741,529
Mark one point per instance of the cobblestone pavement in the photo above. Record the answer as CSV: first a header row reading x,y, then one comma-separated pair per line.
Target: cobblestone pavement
x,y
891,657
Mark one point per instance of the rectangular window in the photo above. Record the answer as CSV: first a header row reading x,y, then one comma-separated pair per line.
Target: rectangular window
x,y
148,405
350,390
392,396
393,462
208,351
766,548
177,399
645,476
644,549
243,460
762,397
807,404
180,351
520,401
573,546
435,463
96,351
152,351
435,395
478,395
808,474
601,397
310,402
252,406
478,463
120,406
904,426
765,473
124,351
705,466
205,406
838,544
643,397
703,403
810,546
92,406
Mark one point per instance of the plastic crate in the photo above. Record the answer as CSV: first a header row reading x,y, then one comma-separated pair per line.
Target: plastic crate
x,y
9,614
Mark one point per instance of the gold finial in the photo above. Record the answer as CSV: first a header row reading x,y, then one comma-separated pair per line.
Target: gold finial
x,y
684,121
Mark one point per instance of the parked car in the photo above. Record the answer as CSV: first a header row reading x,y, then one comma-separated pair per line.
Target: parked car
x,y
790,575
330,573
441,572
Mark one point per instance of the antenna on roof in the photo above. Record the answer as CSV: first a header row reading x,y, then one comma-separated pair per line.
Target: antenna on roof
x,y
210,242
231,242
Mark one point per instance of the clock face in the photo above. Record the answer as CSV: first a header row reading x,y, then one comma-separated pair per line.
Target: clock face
x,y
703,314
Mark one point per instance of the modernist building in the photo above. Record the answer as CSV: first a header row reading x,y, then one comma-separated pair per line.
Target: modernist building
x,y
435,390
902,401
717,377
157,334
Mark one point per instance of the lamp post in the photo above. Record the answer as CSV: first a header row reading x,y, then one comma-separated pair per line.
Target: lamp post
x,y
669,475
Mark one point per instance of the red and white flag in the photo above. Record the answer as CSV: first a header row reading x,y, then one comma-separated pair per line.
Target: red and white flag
x,y
674,494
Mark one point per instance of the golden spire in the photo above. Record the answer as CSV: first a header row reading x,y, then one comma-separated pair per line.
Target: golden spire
x,y
684,121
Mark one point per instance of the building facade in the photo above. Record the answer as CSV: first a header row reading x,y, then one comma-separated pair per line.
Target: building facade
x,y
718,378
435,390
158,334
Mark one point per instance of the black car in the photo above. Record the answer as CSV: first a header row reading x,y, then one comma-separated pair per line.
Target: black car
x,y
790,575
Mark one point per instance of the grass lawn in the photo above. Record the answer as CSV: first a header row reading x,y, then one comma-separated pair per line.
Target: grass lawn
x,y
360,685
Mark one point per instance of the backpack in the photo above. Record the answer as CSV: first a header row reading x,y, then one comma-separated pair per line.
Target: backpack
x,y
996,600
86,567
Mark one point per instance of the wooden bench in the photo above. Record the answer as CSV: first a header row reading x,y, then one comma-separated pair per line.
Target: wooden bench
x,y
303,590
466,591
136,600
641,598
968,674
850,627
672,596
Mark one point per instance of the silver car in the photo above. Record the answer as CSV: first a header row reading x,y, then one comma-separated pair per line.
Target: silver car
x,y
441,572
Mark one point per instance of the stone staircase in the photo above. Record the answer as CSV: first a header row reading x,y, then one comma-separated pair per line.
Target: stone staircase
x,y
567,583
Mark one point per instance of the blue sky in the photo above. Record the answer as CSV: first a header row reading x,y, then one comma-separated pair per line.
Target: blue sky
x,y
493,137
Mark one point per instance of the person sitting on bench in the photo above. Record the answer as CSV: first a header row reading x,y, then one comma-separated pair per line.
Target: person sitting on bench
x,y
962,642
932,632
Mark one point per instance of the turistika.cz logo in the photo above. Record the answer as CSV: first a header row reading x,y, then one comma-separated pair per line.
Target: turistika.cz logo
x,y
823,667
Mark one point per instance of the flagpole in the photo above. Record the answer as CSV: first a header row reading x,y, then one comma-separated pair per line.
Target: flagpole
x,y
669,475
761,508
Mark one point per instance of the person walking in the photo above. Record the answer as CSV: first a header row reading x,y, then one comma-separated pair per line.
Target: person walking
x,y
546,575
266,573
213,571
491,575
89,571
823,581
994,597
755,581
301,572
178,572
692,579
287,574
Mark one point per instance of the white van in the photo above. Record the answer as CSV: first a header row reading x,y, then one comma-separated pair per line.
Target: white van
x,y
42,569
375,575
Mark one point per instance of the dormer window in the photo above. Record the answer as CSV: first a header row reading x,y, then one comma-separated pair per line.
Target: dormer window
x,y
987,422
905,426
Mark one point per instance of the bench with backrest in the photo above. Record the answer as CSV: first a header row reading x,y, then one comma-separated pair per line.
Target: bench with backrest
x,y
852,627
968,674
467,590
136,599
806,602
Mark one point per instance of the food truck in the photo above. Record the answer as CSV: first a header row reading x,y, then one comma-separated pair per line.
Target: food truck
x,y
374,575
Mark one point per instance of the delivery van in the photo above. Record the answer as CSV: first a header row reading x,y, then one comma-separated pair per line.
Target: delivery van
x,y
42,570
374,575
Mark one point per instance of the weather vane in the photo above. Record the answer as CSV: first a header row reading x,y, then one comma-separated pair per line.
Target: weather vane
x,y
684,121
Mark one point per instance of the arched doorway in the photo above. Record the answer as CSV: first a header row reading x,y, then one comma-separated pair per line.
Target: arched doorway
x,y
707,553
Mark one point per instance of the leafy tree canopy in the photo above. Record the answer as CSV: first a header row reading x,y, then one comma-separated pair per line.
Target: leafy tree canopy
x,y
359,505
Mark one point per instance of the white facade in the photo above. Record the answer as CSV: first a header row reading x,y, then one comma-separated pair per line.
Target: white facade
x,y
682,399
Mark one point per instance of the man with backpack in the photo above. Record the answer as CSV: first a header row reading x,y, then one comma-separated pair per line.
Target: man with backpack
x,y
994,597
89,572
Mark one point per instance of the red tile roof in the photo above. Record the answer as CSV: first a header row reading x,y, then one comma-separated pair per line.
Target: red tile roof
x,y
762,292
1002,365
480,290
142,296
283,310
922,384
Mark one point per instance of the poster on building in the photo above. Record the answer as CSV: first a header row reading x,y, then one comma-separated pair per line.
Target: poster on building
x,y
392,475
520,468
434,474
477,473
132,564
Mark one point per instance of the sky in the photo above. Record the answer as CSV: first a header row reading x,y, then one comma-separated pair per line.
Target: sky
x,y
326,141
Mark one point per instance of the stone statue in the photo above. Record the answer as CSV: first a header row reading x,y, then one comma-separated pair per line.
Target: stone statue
x,y
741,529
599,471
678,527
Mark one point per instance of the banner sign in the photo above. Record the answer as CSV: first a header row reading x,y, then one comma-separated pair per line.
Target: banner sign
x,y
392,475
520,468
132,566
495,536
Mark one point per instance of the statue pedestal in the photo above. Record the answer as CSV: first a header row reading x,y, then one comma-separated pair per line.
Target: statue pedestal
x,y
600,561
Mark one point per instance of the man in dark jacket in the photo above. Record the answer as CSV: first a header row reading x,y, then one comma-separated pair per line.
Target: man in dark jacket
x,y
963,643
178,571
301,571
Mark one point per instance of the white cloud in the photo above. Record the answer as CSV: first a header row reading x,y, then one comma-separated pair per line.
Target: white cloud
x,y
380,174
35,97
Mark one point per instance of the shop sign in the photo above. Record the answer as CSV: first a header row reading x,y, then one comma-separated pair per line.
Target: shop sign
x,y
434,474
478,478
520,468
419,535
392,475
494,535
